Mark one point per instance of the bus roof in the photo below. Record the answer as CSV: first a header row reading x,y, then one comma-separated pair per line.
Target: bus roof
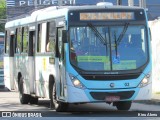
x,y
57,11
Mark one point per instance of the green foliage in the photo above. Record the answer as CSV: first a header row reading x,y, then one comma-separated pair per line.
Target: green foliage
x,y
2,14
2,3
25,40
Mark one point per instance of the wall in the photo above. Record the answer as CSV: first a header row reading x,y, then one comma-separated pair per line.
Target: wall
x,y
155,32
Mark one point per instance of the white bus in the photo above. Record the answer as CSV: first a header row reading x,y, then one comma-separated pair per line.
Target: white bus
x,y
79,54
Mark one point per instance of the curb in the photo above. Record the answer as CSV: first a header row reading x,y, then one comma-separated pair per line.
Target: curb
x,y
149,102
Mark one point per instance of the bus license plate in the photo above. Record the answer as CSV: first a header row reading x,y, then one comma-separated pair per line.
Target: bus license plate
x,y
112,98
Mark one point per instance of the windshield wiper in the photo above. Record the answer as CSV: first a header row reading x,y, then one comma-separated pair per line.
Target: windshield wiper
x,y
122,33
97,33
117,41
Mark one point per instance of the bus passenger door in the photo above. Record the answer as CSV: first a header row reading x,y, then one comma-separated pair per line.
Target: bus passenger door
x,y
31,62
8,61
61,63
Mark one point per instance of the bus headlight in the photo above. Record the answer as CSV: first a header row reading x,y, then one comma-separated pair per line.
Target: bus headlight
x,y
77,83
145,81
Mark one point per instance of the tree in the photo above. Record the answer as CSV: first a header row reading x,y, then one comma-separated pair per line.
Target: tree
x,y
2,15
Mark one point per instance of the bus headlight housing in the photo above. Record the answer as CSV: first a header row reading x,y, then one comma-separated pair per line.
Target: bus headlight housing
x,y
77,83
145,80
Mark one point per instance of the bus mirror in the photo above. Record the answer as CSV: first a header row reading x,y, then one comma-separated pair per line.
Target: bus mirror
x,y
64,36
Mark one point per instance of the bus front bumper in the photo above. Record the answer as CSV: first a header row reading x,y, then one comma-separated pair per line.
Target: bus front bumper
x,y
76,95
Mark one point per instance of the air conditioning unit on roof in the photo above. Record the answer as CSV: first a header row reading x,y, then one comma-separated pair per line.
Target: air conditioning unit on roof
x,y
104,4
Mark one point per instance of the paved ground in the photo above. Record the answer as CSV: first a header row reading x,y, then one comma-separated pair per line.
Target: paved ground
x,y
156,96
9,102
155,99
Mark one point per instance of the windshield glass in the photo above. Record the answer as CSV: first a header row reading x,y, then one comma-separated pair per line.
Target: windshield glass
x,y
103,48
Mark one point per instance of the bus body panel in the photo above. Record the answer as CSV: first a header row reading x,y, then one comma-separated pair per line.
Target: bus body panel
x,y
8,72
21,65
76,95
144,93
31,71
43,70
41,75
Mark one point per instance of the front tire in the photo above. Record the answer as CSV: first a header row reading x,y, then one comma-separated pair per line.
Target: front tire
x,y
24,98
123,105
57,105
33,100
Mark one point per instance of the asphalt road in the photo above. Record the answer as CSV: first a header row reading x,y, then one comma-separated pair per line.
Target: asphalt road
x,y
9,101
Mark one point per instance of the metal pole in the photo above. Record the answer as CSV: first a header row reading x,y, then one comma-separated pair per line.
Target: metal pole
x,y
60,2
74,2
119,2
130,2
71,2
35,4
142,3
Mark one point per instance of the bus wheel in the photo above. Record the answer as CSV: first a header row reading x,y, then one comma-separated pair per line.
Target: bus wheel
x,y
33,100
24,98
57,105
123,105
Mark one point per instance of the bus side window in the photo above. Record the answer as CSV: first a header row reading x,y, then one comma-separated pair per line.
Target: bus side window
x,y
25,40
18,41
51,36
7,37
15,41
39,38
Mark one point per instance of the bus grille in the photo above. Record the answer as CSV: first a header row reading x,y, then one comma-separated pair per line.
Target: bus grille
x,y
111,77
102,95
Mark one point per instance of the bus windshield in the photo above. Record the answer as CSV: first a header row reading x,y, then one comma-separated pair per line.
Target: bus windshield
x,y
107,48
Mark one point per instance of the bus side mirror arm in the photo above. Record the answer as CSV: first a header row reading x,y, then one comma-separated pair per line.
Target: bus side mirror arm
x,y
150,34
64,36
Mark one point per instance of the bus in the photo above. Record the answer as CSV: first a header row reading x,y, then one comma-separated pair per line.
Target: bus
x,y
1,58
79,54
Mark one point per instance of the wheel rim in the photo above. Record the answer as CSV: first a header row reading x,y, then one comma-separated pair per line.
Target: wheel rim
x,y
55,102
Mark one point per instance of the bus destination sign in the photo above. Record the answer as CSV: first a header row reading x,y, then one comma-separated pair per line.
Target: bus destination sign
x,y
107,16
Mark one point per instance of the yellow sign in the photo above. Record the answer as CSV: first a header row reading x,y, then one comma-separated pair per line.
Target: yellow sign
x,y
44,64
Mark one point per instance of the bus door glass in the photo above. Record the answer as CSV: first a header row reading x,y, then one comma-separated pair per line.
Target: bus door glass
x,y
61,61
31,43
31,54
